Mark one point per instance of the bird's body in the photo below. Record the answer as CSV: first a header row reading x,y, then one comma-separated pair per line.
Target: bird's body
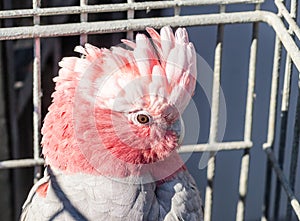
x,y
111,135
87,197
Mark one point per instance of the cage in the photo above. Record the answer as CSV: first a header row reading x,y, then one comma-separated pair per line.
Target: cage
x,y
249,140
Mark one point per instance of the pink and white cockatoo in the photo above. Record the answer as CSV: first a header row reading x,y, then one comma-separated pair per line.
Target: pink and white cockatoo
x,y
112,131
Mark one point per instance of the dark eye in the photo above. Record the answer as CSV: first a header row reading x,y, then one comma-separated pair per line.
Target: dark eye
x,y
140,118
143,118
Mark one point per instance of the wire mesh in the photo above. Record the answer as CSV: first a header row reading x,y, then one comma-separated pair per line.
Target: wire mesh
x,y
284,25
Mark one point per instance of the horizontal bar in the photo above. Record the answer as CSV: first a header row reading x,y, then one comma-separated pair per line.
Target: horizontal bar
x,y
235,145
9,164
115,7
140,24
284,182
125,25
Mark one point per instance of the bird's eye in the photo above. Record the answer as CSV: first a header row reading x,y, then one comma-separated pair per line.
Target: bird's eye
x,y
140,117
143,118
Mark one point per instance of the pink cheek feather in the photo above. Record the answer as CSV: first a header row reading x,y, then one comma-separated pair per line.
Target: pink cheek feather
x,y
136,144
142,131
124,141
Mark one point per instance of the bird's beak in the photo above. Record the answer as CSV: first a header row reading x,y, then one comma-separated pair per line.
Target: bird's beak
x,y
178,128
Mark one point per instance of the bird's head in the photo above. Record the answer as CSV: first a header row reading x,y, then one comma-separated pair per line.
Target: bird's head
x,y
122,105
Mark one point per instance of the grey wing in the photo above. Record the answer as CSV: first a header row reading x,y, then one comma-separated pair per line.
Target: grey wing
x,y
39,208
179,199
86,198
29,212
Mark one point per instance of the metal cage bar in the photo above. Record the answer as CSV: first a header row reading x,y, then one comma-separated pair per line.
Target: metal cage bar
x,y
271,125
36,94
117,7
130,15
177,8
140,24
284,117
83,19
213,133
294,204
284,182
277,164
245,162
295,146
289,16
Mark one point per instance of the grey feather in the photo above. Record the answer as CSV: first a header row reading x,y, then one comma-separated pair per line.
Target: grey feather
x,y
87,198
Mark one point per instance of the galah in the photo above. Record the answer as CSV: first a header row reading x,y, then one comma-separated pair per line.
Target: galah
x,y
111,135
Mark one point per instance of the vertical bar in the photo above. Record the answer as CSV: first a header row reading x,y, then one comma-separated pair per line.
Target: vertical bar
x,y
83,18
36,93
267,194
130,15
243,182
209,188
271,126
214,121
5,176
251,83
284,124
294,155
295,146
177,9
284,182
243,185
14,135
283,130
